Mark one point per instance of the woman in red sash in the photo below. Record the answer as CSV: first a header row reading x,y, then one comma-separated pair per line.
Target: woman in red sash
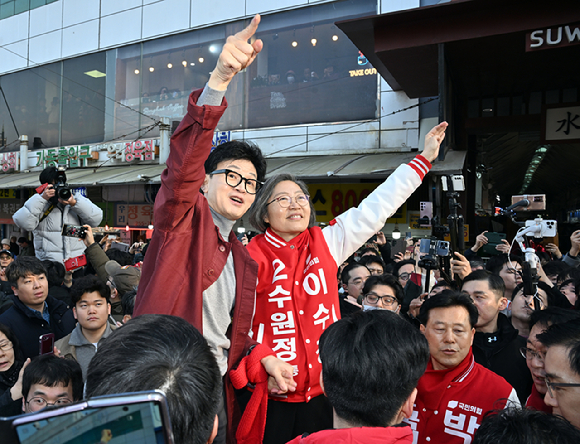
x,y
297,292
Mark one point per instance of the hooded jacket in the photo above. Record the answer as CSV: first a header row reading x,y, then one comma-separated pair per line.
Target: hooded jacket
x,y
49,243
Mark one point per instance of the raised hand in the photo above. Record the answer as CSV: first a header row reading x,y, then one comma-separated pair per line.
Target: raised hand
x,y
236,55
433,141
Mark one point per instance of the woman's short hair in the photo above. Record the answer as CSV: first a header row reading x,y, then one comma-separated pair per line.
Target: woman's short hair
x,y
259,209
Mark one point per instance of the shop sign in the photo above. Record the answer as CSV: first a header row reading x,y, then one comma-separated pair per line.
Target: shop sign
x,y
69,156
553,37
220,137
7,210
362,72
81,190
9,161
331,200
8,193
173,111
139,150
562,124
134,215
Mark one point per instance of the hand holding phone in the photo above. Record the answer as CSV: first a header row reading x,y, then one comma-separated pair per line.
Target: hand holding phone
x,y
46,344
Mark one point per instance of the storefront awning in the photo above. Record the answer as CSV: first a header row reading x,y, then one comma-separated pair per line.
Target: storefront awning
x,y
90,176
367,166
355,166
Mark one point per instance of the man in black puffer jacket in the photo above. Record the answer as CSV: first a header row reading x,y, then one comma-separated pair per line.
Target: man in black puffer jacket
x,y
34,312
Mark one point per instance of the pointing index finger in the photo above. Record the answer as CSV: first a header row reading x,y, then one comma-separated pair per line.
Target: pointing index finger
x,y
250,30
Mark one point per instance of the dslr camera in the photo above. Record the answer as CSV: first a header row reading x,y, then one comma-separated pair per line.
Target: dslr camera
x,y
62,189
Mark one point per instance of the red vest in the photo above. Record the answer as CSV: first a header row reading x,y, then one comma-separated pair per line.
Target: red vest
x,y
296,300
451,403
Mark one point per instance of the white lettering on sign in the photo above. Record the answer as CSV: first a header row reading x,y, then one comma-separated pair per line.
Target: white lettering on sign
x,y
550,37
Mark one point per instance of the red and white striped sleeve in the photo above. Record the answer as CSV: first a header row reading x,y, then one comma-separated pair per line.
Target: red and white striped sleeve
x,y
420,165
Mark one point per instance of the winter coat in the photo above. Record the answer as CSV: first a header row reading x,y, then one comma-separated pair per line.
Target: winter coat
x,y
49,243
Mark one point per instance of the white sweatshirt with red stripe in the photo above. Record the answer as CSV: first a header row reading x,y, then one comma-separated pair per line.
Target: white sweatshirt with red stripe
x,y
347,232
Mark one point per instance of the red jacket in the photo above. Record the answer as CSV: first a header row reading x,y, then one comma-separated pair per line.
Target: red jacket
x,y
359,435
187,254
450,404
536,402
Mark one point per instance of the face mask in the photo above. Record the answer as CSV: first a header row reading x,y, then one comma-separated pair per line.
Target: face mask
x,y
290,79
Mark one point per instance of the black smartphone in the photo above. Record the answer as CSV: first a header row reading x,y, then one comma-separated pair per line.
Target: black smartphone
x,y
74,231
46,344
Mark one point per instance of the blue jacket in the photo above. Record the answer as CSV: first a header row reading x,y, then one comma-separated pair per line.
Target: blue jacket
x,y
28,327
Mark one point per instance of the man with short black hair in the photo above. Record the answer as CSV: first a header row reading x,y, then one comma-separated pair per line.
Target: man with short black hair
x,y
196,268
91,303
161,352
455,392
497,344
382,292
371,363
50,381
353,278
374,263
34,312
525,426
26,248
508,268
562,365
535,351
404,271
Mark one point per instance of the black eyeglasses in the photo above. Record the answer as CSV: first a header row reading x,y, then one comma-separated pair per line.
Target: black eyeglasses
x,y
556,385
373,299
233,179
38,403
286,201
530,354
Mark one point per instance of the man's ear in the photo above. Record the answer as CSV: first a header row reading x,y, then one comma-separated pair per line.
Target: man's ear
x,y
126,318
109,310
503,302
407,408
205,185
74,310
15,290
322,384
214,431
345,287
422,328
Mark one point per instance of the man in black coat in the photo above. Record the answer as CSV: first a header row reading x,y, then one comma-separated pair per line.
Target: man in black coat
x,y
496,342
34,312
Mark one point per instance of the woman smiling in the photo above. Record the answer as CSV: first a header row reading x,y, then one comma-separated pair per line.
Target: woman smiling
x,y
297,292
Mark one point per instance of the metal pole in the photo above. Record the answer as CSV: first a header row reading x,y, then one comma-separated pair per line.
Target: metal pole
x,y
23,153
164,128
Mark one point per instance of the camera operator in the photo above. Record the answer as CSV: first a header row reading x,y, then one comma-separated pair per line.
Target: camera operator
x,y
46,212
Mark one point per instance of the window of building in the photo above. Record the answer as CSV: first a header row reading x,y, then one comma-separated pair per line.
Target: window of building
x,y
8,8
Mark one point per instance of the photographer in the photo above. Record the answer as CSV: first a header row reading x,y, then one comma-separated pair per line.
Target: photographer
x,y
46,212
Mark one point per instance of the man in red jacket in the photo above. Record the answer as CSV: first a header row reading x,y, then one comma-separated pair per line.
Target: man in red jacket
x,y
371,363
195,267
455,392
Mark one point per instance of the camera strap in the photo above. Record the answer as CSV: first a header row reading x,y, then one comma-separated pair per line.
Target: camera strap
x,y
47,212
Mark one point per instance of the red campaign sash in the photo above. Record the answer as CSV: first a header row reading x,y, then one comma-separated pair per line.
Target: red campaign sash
x,y
296,300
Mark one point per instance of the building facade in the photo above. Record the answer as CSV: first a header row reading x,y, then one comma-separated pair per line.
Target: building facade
x,y
91,82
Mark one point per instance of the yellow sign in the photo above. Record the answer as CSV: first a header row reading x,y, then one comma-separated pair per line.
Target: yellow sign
x,y
8,193
332,199
465,233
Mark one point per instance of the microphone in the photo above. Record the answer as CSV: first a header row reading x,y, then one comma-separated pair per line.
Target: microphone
x,y
522,203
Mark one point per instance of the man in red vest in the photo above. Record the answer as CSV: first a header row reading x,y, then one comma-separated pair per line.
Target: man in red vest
x,y
455,392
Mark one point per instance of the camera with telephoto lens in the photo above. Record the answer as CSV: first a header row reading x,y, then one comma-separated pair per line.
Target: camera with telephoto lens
x,y
62,189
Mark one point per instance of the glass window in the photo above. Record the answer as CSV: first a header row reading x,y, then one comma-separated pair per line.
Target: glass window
x,y
309,71
83,99
33,97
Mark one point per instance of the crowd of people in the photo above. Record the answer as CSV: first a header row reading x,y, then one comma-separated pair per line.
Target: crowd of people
x,y
304,335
